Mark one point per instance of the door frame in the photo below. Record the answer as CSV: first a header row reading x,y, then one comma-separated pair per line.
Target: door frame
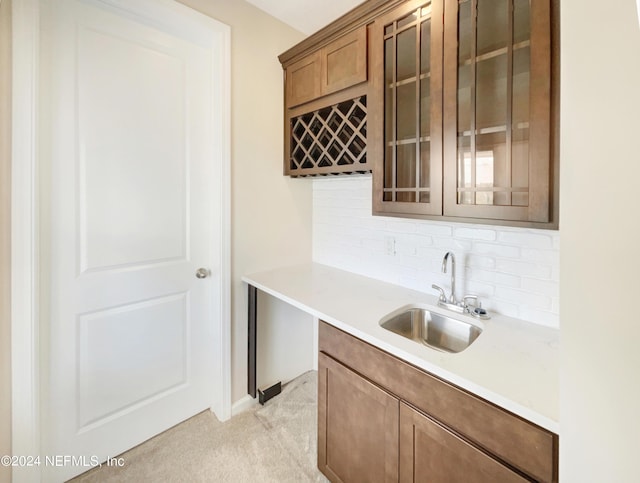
x,y
25,294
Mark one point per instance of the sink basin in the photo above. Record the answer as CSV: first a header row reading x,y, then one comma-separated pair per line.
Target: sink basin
x,y
434,330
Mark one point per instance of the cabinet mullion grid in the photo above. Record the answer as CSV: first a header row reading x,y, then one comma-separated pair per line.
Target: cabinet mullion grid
x,y
394,97
509,175
418,25
472,80
474,59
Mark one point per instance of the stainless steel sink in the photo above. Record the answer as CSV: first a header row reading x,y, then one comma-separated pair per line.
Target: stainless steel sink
x,y
432,329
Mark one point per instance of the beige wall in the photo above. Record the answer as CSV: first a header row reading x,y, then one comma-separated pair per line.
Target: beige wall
x,y
5,234
271,214
600,242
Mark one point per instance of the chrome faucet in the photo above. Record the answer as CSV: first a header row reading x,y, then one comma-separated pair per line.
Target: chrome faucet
x,y
452,298
474,308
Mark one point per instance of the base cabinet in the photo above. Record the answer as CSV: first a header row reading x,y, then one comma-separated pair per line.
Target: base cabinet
x,y
382,420
429,452
357,426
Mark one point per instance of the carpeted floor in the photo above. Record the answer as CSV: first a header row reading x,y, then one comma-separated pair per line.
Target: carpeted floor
x,y
271,443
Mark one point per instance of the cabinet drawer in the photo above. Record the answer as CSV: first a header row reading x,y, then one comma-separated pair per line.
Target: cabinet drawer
x,y
519,443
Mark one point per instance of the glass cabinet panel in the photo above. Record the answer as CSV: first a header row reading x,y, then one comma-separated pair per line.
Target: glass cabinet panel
x,y
493,92
407,106
464,111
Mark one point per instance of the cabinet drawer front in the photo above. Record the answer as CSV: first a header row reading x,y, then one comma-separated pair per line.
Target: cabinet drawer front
x,y
345,61
303,80
430,452
523,445
357,426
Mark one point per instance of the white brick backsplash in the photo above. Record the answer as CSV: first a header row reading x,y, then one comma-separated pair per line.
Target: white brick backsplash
x,y
415,263
525,239
514,271
547,257
453,244
401,227
502,307
480,261
523,297
475,234
435,229
484,291
496,278
555,274
546,287
374,245
523,268
497,250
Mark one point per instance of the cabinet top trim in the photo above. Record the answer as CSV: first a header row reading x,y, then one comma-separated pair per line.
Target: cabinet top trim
x,y
360,15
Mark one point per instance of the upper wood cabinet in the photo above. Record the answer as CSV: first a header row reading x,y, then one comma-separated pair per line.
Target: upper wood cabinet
x,y
406,109
336,66
462,111
344,61
497,120
459,102
326,108
302,80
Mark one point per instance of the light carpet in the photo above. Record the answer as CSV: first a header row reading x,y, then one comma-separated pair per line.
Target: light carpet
x,y
271,443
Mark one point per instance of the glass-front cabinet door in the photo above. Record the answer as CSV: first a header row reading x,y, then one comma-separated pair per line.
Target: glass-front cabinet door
x,y
406,127
461,111
497,106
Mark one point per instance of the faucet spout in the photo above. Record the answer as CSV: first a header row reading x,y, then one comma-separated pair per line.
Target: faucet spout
x,y
475,309
452,298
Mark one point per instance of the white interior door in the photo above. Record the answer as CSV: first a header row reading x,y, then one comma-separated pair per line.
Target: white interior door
x,y
135,210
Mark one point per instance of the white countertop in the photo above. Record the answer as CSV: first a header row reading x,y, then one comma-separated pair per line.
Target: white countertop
x,y
513,363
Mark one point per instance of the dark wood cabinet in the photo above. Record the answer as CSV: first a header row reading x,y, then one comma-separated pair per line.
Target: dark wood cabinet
x,y
357,426
406,109
303,80
460,102
336,66
444,434
326,108
462,111
497,116
430,452
344,61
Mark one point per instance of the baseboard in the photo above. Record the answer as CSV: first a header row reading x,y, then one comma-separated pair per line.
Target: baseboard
x,y
242,404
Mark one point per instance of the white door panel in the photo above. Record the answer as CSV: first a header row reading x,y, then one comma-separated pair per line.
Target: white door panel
x,y
114,374
124,89
133,216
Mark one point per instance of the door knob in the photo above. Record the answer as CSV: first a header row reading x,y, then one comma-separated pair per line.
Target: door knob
x,y
202,273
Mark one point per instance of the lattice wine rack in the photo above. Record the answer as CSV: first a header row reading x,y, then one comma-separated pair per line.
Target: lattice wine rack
x,y
331,140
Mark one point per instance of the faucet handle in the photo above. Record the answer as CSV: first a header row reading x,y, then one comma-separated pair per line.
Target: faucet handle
x,y
476,309
443,297
471,297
